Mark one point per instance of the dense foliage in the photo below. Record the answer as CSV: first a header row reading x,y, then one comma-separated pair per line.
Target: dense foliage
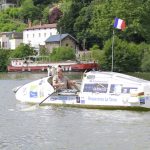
x,y
127,56
4,55
146,60
62,53
91,23
23,50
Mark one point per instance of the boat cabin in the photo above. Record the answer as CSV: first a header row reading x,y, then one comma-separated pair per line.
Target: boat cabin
x,y
110,83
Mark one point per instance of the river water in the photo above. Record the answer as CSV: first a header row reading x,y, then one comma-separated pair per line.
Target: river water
x,y
63,128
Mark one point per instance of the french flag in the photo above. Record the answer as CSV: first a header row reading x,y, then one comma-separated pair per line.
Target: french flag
x,y
119,24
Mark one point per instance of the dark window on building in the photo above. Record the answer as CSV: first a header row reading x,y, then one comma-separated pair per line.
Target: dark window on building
x,y
3,44
11,1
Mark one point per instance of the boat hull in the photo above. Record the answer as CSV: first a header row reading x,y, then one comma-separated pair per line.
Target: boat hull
x,y
88,106
73,100
74,67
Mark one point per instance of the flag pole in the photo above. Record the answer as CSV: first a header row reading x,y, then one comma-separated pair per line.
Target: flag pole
x,y
112,65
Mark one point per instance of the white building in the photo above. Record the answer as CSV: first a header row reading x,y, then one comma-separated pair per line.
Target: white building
x,y
4,4
35,36
10,40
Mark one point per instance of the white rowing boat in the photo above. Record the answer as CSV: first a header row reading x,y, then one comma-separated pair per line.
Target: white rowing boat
x,y
108,90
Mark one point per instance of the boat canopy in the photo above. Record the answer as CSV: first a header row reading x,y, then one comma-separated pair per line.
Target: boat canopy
x,y
111,82
114,75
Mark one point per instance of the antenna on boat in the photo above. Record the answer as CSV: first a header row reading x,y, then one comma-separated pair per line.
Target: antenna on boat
x,y
119,24
112,65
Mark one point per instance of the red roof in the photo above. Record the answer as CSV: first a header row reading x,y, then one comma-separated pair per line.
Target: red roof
x,y
43,26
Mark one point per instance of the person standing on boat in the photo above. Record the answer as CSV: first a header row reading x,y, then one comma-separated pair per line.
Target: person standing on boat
x,y
61,82
59,66
53,71
49,73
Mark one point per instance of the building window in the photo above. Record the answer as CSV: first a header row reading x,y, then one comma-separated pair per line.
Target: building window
x,y
39,34
6,44
44,34
27,35
50,33
9,1
3,44
33,35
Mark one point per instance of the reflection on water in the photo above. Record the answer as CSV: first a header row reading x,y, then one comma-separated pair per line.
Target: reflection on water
x,y
36,75
65,128
115,116
22,75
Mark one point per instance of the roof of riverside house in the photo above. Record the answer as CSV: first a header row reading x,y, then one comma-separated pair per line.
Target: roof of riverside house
x,y
58,37
43,26
14,35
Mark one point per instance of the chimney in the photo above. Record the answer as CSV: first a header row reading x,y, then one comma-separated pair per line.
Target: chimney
x,y
40,23
29,23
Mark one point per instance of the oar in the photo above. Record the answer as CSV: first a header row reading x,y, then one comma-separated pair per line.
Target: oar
x,y
16,89
45,99
37,105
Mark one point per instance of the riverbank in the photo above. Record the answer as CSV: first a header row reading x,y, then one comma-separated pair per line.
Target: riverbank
x,y
35,75
143,75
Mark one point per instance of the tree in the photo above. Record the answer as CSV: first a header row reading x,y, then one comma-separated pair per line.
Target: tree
x,y
29,11
93,20
43,51
69,17
82,25
4,55
9,20
127,56
145,60
62,53
145,21
98,55
23,50
54,15
44,2
45,14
